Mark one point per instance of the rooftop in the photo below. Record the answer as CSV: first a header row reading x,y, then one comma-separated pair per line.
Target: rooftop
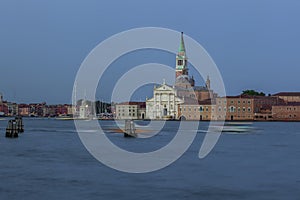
x,y
133,103
287,94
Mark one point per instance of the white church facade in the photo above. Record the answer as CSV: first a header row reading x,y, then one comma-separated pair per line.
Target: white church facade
x,y
164,104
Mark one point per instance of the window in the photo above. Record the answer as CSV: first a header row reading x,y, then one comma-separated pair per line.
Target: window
x,y
180,62
201,109
133,114
239,102
244,109
232,109
249,109
206,109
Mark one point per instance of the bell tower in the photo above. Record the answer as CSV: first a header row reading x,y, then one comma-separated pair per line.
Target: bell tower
x,y
181,59
207,83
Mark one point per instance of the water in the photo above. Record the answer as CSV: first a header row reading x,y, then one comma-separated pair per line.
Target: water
x,y
49,162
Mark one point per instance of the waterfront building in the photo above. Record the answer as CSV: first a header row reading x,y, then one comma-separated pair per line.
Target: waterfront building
x,y
84,109
197,110
234,108
164,103
24,109
286,112
130,110
246,107
263,107
3,108
37,109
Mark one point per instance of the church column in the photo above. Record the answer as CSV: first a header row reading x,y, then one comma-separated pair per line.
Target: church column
x,y
169,108
174,105
160,110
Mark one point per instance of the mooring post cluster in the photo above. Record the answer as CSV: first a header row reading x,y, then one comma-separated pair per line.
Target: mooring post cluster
x,y
14,127
129,129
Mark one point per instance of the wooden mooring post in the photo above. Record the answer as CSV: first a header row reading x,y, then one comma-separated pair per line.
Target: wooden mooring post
x,y
14,127
20,125
129,129
11,130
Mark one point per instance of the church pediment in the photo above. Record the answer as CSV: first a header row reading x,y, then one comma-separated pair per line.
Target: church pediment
x,y
164,88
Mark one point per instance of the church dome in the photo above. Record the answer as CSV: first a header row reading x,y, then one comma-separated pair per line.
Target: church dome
x,y
182,78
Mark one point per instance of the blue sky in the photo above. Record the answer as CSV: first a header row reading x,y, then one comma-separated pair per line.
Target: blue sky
x,y
255,43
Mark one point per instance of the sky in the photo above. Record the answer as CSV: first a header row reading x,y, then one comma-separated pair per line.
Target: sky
x,y
254,43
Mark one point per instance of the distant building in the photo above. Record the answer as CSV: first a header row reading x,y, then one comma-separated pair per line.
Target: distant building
x,y
246,107
130,110
24,109
84,110
37,109
194,110
286,112
3,108
235,108
289,96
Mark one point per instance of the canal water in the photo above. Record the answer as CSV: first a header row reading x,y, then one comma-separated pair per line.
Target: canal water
x,y
48,161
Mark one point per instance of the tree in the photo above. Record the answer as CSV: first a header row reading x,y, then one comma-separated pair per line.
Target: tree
x,y
253,93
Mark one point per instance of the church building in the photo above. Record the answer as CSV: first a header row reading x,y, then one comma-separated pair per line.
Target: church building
x,y
167,99
164,104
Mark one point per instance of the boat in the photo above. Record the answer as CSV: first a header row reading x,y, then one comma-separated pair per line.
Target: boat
x,y
237,127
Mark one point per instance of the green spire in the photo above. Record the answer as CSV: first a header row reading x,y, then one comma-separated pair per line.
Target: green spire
x,y
182,47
